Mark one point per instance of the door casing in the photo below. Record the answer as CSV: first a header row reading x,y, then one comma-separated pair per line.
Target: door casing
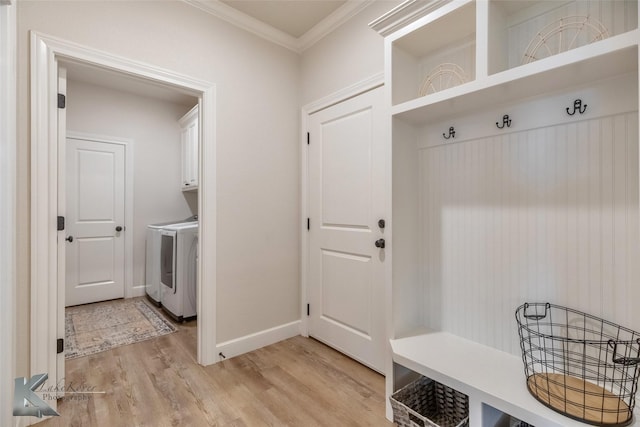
x,y
8,191
45,53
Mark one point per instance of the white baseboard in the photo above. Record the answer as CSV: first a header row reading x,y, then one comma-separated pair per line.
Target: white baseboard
x,y
27,421
136,291
258,340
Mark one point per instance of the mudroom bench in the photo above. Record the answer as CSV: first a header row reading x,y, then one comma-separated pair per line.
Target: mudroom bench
x,y
493,380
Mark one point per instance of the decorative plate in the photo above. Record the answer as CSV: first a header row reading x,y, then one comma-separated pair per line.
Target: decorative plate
x,y
444,76
564,34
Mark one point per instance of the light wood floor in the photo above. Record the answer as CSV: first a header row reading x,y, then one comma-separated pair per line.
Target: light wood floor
x,y
297,382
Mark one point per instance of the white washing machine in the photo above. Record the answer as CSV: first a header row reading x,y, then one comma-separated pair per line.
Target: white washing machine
x,y
152,265
178,270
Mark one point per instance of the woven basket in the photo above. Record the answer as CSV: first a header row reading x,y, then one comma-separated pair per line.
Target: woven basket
x,y
427,403
514,422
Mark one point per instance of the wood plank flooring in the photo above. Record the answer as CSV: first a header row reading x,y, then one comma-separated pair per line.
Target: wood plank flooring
x,y
155,383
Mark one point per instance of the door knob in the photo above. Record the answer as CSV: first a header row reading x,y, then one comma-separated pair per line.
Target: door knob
x,y
118,229
380,243
381,223
69,239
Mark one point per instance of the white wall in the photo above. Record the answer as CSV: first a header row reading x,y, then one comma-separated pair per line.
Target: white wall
x,y
153,126
7,202
257,147
348,55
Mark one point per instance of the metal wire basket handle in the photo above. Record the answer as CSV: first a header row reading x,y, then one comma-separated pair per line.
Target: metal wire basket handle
x,y
536,316
624,360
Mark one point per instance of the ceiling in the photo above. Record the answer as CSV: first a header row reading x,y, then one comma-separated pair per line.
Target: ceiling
x,y
294,17
295,24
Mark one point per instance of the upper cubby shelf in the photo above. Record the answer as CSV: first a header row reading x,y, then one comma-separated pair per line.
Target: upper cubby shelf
x,y
521,32
609,58
464,55
436,56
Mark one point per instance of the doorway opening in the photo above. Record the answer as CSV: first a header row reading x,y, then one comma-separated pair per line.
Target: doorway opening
x,y
47,297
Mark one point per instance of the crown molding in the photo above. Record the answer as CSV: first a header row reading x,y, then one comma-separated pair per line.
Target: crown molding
x,y
404,14
233,16
246,22
341,15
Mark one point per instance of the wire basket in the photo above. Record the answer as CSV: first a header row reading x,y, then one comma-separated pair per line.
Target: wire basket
x,y
579,365
427,403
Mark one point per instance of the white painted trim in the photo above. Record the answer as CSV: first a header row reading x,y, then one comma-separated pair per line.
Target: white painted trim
x,y
43,242
341,15
304,233
241,20
64,49
8,82
388,285
246,22
257,340
45,53
355,89
129,153
208,219
404,14
137,291
351,91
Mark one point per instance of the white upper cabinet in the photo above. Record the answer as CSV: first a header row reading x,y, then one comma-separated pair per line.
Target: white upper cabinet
x,y
189,141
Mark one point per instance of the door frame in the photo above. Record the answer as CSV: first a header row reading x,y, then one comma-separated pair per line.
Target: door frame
x,y
8,173
354,90
45,53
129,290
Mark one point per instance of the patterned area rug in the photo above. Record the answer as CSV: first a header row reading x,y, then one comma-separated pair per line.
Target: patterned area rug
x,y
93,328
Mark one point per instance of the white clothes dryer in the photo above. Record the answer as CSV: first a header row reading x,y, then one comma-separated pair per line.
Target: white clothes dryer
x,y
152,264
178,270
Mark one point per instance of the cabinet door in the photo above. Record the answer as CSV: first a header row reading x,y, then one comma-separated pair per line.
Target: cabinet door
x,y
189,141
186,158
193,154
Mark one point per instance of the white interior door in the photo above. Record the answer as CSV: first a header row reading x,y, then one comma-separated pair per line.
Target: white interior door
x,y
346,201
95,193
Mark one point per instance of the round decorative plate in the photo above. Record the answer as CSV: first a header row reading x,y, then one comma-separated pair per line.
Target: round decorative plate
x,y
562,35
444,76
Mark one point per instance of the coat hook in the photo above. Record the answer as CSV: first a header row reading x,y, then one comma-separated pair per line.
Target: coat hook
x,y
505,121
577,106
452,133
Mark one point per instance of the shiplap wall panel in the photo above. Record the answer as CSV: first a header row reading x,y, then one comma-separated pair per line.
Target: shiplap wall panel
x,y
617,16
547,214
462,54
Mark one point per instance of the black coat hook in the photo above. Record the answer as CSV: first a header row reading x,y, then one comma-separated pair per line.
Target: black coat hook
x,y
577,106
505,121
452,133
